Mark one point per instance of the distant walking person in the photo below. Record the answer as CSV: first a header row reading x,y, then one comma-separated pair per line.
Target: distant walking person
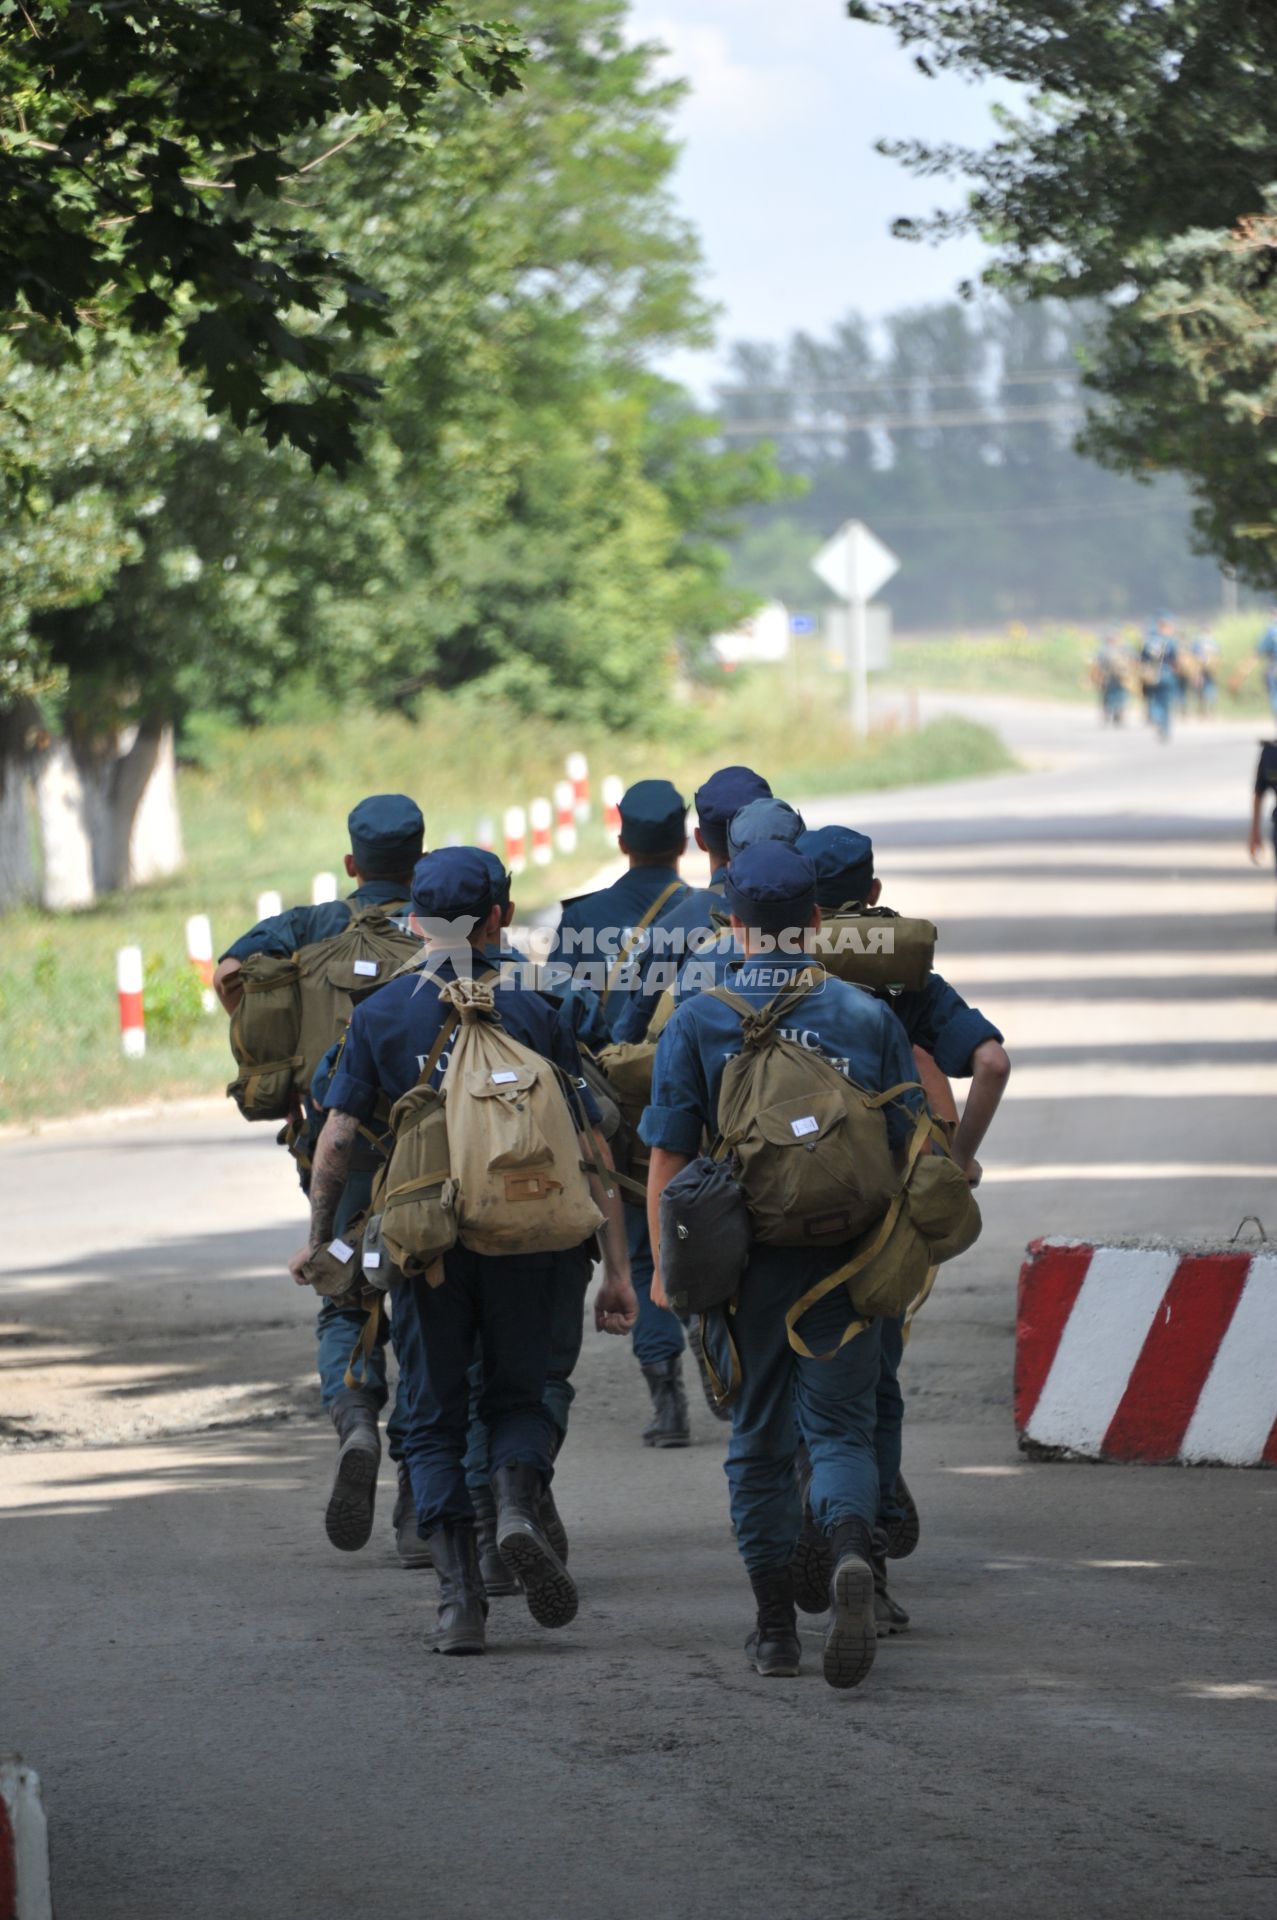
x,y
1157,671
1265,658
1265,783
1206,656
1108,673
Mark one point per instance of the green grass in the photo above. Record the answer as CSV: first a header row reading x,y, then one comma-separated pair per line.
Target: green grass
x,y
267,808
1053,664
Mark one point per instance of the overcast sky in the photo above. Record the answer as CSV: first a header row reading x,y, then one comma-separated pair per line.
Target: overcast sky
x,y
779,175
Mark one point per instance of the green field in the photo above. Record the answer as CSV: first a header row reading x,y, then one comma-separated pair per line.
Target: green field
x,y
266,808
1053,663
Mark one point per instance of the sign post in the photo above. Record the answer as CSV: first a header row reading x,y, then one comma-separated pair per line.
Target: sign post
x,y
856,565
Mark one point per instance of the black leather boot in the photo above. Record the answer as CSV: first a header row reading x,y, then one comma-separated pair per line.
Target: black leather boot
x,y
498,1580
463,1610
552,1524
851,1639
903,1532
348,1516
813,1563
668,1426
551,1596
773,1646
412,1547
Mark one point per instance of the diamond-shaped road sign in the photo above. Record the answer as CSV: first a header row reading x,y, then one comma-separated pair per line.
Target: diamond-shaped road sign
x,y
855,564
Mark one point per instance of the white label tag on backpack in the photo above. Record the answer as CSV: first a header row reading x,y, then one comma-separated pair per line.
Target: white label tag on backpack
x,y
372,1260
368,967
340,1251
808,1124
504,1079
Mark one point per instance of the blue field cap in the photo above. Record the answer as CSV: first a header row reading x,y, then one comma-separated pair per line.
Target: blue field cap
x,y
452,883
499,873
386,832
763,820
653,817
844,863
724,794
771,886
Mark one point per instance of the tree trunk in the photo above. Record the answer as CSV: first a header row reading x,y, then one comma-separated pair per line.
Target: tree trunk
x,y
65,833
108,813
154,836
17,868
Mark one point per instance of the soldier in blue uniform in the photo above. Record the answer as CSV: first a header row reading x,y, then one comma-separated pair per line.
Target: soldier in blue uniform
x,y
828,1403
386,833
505,1303
601,938
1157,671
1265,783
964,1045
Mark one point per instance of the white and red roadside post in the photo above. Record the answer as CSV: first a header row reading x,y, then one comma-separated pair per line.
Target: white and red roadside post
x,y
578,772
269,904
613,789
486,836
24,1844
516,839
565,816
199,951
541,818
128,980
323,888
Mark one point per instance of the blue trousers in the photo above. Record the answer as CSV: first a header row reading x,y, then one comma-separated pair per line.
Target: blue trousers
x,y
507,1305
572,1272
1159,709
829,1404
658,1334
336,1330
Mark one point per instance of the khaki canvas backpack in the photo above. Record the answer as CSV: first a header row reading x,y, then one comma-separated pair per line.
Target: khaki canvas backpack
x,y
291,1011
875,947
492,1158
811,1145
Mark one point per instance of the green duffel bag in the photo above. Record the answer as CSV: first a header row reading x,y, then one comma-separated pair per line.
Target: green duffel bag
x,y
414,1192
933,1218
265,1037
875,947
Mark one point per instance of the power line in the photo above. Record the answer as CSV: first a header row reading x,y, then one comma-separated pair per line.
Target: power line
x,y
886,383
899,422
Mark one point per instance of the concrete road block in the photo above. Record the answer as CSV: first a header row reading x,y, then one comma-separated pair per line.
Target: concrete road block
x,y
24,1844
1148,1352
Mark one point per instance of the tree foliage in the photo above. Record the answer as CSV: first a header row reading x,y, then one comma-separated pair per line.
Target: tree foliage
x,y
1135,168
537,515
151,154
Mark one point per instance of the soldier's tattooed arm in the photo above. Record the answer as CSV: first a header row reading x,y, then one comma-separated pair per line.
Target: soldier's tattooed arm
x,y
328,1173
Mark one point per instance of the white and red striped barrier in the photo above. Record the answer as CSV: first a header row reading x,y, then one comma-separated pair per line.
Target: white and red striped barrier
x,y
199,951
613,792
1148,1353
541,820
565,817
128,981
24,1845
516,839
578,772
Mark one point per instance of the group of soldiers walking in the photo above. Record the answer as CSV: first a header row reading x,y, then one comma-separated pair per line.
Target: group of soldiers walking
x,y
1172,674
694,989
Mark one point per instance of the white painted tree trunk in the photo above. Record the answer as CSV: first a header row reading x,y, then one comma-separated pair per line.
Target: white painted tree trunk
x,y
66,847
155,834
107,815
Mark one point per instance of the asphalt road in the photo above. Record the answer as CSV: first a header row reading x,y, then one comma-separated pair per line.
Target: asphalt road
x,y
232,1720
